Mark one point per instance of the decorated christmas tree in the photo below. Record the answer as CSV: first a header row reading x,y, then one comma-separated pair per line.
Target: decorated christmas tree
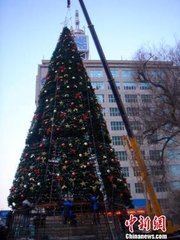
x,y
68,149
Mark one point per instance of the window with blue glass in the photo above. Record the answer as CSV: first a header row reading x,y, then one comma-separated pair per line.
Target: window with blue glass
x,y
173,153
97,85
132,111
117,140
100,98
115,126
146,98
174,169
139,188
129,86
43,80
125,171
95,73
114,72
157,73
121,155
114,111
111,98
144,86
103,110
160,186
175,185
127,74
131,98
136,125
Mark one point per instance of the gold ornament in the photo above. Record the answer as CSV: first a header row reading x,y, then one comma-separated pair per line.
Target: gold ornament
x,y
83,184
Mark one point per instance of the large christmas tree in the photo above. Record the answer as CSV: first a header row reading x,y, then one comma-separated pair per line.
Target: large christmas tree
x,y
68,148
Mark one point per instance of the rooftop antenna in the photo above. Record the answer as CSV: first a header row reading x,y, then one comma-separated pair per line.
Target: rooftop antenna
x,y
77,24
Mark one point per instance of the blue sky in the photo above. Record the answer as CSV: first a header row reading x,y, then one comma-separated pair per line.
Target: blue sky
x,y
29,31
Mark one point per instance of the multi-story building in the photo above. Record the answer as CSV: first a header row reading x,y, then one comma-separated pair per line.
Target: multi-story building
x,y
131,93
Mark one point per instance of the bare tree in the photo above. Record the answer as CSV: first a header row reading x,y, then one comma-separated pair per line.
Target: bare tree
x,y
159,107
162,53
160,111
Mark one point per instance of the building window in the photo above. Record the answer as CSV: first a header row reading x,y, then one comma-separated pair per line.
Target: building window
x,y
100,98
114,111
127,74
129,86
129,186
139,187
139,139
144,86
156,171
160,187
143,154
132,111
157,74
43,80
125,171
175,185
152,139
164,202
117,140
155,155
135,125
117,85
111,98
131,98
103,110
95,73
174,170
117,126
97,85
121,155
114,72
136,171
146,98
171,155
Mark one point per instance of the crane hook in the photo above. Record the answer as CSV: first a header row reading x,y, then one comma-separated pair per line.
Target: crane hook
x,y
68,3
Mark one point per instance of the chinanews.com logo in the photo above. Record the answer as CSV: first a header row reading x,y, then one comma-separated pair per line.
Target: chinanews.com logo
x,y
145,236
146,224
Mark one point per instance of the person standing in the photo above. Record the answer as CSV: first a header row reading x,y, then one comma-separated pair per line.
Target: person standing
x,y
95,209
67,209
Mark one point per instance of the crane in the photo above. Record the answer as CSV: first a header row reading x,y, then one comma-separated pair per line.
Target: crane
x,y
132,141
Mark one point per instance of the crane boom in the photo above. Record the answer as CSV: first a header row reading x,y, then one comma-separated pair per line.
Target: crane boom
x,y
132,139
